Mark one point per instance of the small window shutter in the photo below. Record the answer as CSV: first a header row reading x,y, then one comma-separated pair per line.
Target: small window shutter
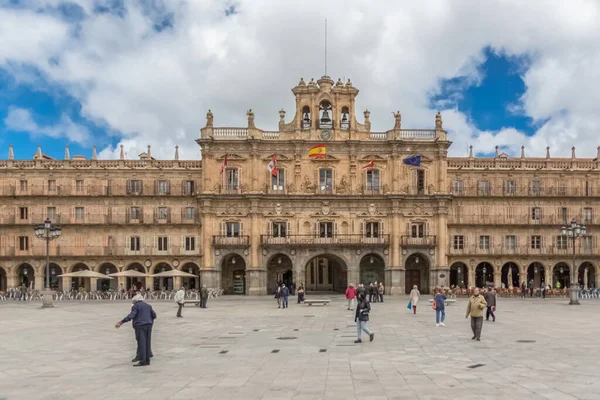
x,y
168,187
156,186
425,180
362,229
128,186
239,182
288,229
183,188
408,229
270,228
241,229
426,233
333,180
127,243
222,229
317,229
335,229
182,242
381,230
154,242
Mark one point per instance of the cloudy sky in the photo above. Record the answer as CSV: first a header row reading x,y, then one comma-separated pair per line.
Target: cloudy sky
x,y
138,72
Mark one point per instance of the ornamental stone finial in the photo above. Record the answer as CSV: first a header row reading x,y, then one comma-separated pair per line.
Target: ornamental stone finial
x,y
548,152
573,152
522,151
471,151
176,152
122,155
11,154
67,154
438,121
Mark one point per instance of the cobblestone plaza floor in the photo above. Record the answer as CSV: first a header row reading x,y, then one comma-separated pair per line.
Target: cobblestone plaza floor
x,y
231,351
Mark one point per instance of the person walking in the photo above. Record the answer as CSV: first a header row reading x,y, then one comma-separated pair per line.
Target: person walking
x,y
363,309
475,307
543,287
360,289
490,299
285,292
440,307
180,299
371,292
381,290
203,296
350,296
300,293
136,298
143,317
414,298
278,295
523,290
531,283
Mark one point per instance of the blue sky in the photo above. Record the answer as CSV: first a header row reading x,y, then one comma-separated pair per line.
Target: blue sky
x,y
145,72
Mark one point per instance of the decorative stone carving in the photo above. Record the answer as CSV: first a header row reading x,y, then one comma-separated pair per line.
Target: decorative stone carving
x,y
325,208
385,188
438,121
250,115
372,209
209,119
367,115
431,188
308,186
265,188
243,188
398,120
291,188
278,208
344,186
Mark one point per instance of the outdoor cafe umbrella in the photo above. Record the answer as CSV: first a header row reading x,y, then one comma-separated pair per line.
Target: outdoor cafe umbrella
x,y
174,273
85,274
132,273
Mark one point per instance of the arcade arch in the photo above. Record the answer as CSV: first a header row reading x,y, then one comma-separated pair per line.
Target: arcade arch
x,y
417,273
326,272
233,274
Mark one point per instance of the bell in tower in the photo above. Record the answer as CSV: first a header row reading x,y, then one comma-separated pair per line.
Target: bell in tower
x,y
306,117
325,121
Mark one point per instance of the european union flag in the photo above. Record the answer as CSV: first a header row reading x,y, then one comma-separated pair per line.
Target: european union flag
x,y
413,161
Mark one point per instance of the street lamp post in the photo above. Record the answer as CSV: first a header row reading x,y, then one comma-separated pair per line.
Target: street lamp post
x,y
574,231
48,232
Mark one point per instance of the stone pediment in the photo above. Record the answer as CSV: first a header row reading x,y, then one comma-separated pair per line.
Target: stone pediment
x,y
417,211
374,157
231,211
278,157
326,211
278,212
372,212
325,159
232,157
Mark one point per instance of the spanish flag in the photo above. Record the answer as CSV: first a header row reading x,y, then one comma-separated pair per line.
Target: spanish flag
x,y
319,151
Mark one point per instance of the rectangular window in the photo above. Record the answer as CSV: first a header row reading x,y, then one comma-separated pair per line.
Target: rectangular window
x,y
162,187
233,229
536,242
459,187
510,242
459,242
373,180
279,229
536,214
79,213
588,242
562,189
326,180
135,186
536,188
510,188
417,230
188,188
278,181
587,215
79,185
588,188
372,229
24,212
134,243
136,213
484,242
163,243
420,181
561,242
51,213
484,188
190,213
326,229
52,185
163,213
23,243
23,185
232,176
190,243
563,215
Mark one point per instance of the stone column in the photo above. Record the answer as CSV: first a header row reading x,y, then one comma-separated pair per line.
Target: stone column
x,y
177,282
353,276
585,278
67,283
256,275
149,283
471,275
211,278
395,271
40,280
93,284
497,279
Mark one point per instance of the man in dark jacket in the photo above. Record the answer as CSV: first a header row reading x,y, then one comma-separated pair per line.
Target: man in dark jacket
x,y
363,308
490,298
143,317
285,292
360,289
203,296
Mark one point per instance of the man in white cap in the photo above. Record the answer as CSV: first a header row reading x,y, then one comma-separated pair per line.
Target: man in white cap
x,y
135,299
180,300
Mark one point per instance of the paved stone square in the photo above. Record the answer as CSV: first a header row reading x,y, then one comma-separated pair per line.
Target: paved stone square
x,y
231,351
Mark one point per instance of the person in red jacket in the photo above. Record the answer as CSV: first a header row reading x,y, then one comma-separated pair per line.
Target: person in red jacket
x,y
350,296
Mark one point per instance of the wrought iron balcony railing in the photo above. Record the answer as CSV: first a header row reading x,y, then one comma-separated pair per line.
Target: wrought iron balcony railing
x,y
339,240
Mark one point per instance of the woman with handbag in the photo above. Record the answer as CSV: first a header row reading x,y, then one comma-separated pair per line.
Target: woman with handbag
x,y
361,318
414,298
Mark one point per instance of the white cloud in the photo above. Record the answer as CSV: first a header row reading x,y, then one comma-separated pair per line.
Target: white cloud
x,y
21,120
155,88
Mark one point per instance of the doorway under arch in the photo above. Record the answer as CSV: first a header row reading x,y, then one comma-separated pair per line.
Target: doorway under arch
x,y
416,273
163,283
536,272
107,284
279,269
561,275
372,269
26,276
233,274
3,279
459,275
191,283
55,281
139,283
510,275
587,270
484,275
77,283
326,273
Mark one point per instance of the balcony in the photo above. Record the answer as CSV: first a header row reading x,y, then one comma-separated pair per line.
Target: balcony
x,y
312,240
498,189
422,241
93,251
523,219
522,251
100,189
223,241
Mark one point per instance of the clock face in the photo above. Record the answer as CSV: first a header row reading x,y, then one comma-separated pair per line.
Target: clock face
x,y
325,134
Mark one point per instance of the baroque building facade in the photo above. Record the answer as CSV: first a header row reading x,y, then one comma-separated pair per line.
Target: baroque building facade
x,y
357,213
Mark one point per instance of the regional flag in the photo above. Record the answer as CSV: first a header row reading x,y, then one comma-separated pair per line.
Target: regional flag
x,y
319,151
371,164
224,164
272,166
413,161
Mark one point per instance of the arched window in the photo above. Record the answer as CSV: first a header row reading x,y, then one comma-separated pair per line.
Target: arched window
x,y
325,120
345,119
306,121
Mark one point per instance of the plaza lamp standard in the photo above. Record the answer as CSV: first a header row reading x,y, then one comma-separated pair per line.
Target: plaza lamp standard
x,y
48,232
574,231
